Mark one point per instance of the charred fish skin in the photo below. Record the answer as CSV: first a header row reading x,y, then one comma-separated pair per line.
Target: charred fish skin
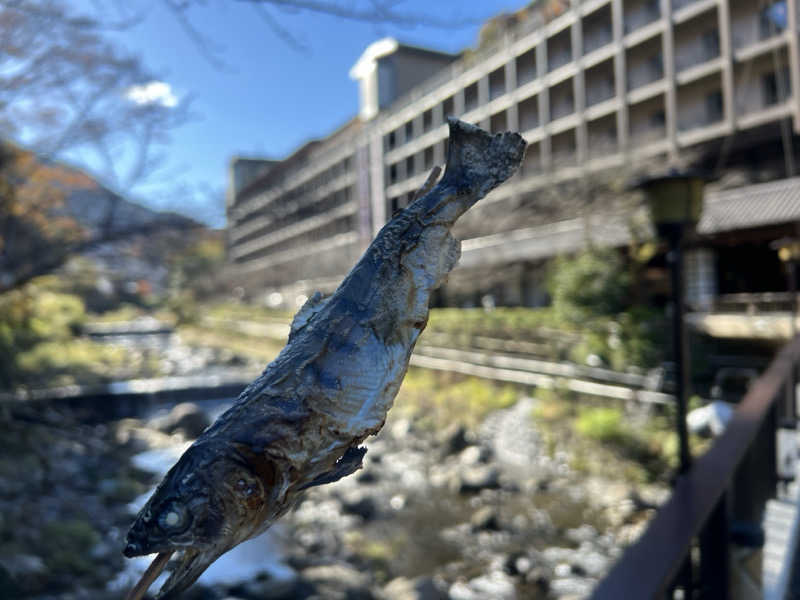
x,y
300,422
335,381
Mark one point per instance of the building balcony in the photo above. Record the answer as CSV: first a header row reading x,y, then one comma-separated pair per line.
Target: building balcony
x,y
587,7
684,10
642,92
596,38
756,22
641,15
599,92
760,48
698,53
563,158
555,62
698,71
597,56
701,132
564,123
764,115
602,109
647,136
600,147
643,34
561,108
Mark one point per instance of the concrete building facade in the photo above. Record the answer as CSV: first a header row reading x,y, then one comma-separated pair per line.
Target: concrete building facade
x,y
597,90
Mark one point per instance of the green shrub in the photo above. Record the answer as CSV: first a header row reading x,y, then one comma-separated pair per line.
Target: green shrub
x,y
440,399
601,424
31,315
70,361
593,283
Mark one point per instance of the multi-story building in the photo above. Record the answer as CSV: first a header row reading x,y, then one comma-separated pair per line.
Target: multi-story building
x,y
598,88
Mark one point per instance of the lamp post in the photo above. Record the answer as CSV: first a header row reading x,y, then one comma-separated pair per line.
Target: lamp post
x,y
676,202
789,254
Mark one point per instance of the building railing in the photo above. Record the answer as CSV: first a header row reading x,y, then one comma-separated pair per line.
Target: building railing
x,y
708,51
755,302
720,499
644,16
679,4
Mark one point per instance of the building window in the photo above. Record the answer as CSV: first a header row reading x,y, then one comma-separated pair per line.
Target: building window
x,y
471,97
409,130
710,44
497,83
657,119
394,205
526,67
775,87
391,140
409,166
498,122
769,85
393,173
714,106
427,120
656,66
448,107
428,157
528,113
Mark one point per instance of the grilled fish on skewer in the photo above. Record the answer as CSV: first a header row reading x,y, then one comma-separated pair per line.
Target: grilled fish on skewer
x,y
300,423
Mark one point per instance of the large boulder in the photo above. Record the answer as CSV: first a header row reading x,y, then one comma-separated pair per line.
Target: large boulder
x,y
421,588
186,418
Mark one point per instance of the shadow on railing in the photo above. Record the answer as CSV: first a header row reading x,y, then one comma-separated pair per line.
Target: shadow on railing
x,y
720,501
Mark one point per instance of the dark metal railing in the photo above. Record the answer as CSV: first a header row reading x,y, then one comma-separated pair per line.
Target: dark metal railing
x,y
719,500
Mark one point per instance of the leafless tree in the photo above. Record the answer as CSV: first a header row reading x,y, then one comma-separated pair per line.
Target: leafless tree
x,y
66,90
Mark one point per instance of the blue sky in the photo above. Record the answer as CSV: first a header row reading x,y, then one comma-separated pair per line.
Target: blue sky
x,y
269,97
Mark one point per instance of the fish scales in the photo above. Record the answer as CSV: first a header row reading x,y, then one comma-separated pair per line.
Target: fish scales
x,y
300,423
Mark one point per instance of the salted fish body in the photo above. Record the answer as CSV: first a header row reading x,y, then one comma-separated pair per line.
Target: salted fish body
x,y
300,423
336,379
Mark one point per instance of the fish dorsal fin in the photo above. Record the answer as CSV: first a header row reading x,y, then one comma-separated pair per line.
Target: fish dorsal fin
x,y
311,307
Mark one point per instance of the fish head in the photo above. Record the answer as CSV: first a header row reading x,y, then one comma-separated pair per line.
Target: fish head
x,y
211,500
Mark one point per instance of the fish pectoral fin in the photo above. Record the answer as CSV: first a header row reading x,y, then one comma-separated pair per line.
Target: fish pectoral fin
x,y
349,463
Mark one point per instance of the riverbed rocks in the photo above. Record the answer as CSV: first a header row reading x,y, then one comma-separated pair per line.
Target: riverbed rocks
x,y
186,418
64,489
432,516
419,588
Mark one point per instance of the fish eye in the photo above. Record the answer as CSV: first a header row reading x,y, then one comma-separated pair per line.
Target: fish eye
x,y
174,518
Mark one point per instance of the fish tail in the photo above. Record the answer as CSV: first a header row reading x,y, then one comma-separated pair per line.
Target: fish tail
x,y
477,162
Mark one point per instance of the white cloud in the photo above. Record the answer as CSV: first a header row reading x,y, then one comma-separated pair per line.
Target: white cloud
x,y
152,92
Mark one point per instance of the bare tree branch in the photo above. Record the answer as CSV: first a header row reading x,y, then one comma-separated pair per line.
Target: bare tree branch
x,y
65,88
284,34
384,12
375,11
204,43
